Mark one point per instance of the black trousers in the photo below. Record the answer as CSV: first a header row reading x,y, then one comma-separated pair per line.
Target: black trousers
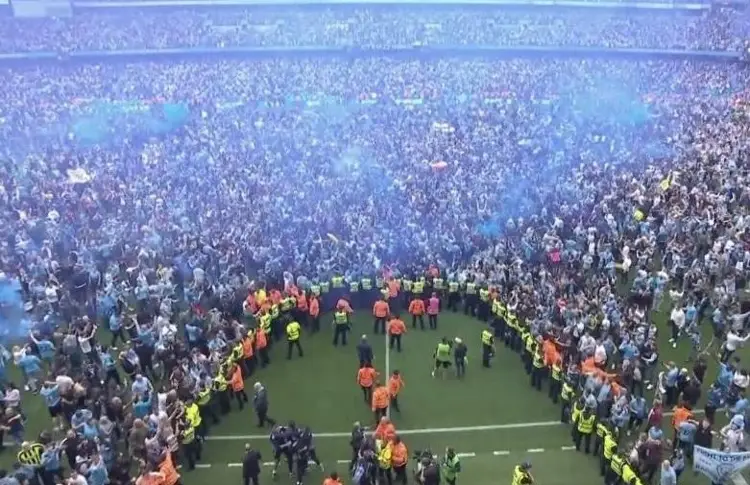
x,y
192,453
395,342
460,367
340,332
379,325
250,479
415,319
263,417
291,344
433,321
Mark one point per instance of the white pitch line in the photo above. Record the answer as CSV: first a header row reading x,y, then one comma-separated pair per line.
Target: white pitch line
x,y
501,453
407,432
466,455
234,465
343,461
535,450
203,465
567,448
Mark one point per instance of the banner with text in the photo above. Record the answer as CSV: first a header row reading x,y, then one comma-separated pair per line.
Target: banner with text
x,y
719,466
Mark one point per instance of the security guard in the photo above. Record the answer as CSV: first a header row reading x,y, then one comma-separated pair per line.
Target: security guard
x,y
555,382
453,295
628,473
30,454
614,473
567,394
293,331
418,288
276,329
522,475
488,347
205,405
575,413
514,335
602,430
367,295
385,454
530,345
584,428
609,449
438,286
190,445
451,466
220,390
470,303
193,416
340,327
537,368
354,294
483,309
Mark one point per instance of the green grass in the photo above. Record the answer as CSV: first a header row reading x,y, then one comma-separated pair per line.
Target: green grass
x,y
320,390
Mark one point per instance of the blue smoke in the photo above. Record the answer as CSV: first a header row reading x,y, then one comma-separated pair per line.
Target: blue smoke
x,y
14,324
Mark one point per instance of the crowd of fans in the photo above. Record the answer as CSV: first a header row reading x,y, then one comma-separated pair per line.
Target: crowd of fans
x,y
549,179
721,30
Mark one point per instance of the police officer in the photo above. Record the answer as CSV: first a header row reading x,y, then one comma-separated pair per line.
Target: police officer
x,y
522,474
340,326
537,368
567,394
189,444
584,429
488,346
293,332
555,382
260,404
460,352
251,464
609,449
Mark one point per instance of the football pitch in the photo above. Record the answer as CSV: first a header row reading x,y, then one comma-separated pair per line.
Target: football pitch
x,y
492,417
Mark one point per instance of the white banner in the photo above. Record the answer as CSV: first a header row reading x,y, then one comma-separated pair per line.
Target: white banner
x,y
719,466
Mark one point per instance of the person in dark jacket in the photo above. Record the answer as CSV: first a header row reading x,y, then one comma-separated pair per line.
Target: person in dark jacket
x,y
251,464
260,403
703,435
364,352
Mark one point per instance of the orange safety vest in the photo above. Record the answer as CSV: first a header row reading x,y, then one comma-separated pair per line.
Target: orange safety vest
x,y
314,307
302,302
380,398
238,384
366,376
395,384
260,340
166,467
247,347
380,309
416,307
399,455
396,326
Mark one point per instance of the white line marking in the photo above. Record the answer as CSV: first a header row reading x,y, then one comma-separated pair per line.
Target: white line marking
x,y
567,448
406,432
203,465
387,367
343,461
501,453
234,465
267,463
466,455
535,450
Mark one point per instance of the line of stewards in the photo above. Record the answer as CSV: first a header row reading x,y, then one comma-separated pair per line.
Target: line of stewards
x,y
393,459
381,399
366,378
395,384
396,328
380,311
293,333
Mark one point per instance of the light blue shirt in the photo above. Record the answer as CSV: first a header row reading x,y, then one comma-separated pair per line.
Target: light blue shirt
x,y
51,395
668,476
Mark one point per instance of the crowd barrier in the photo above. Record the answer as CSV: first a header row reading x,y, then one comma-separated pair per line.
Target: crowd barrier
x,y
406,52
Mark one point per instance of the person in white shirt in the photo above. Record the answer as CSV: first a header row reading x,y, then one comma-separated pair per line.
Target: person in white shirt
x,y
733,341
677,321
600,354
